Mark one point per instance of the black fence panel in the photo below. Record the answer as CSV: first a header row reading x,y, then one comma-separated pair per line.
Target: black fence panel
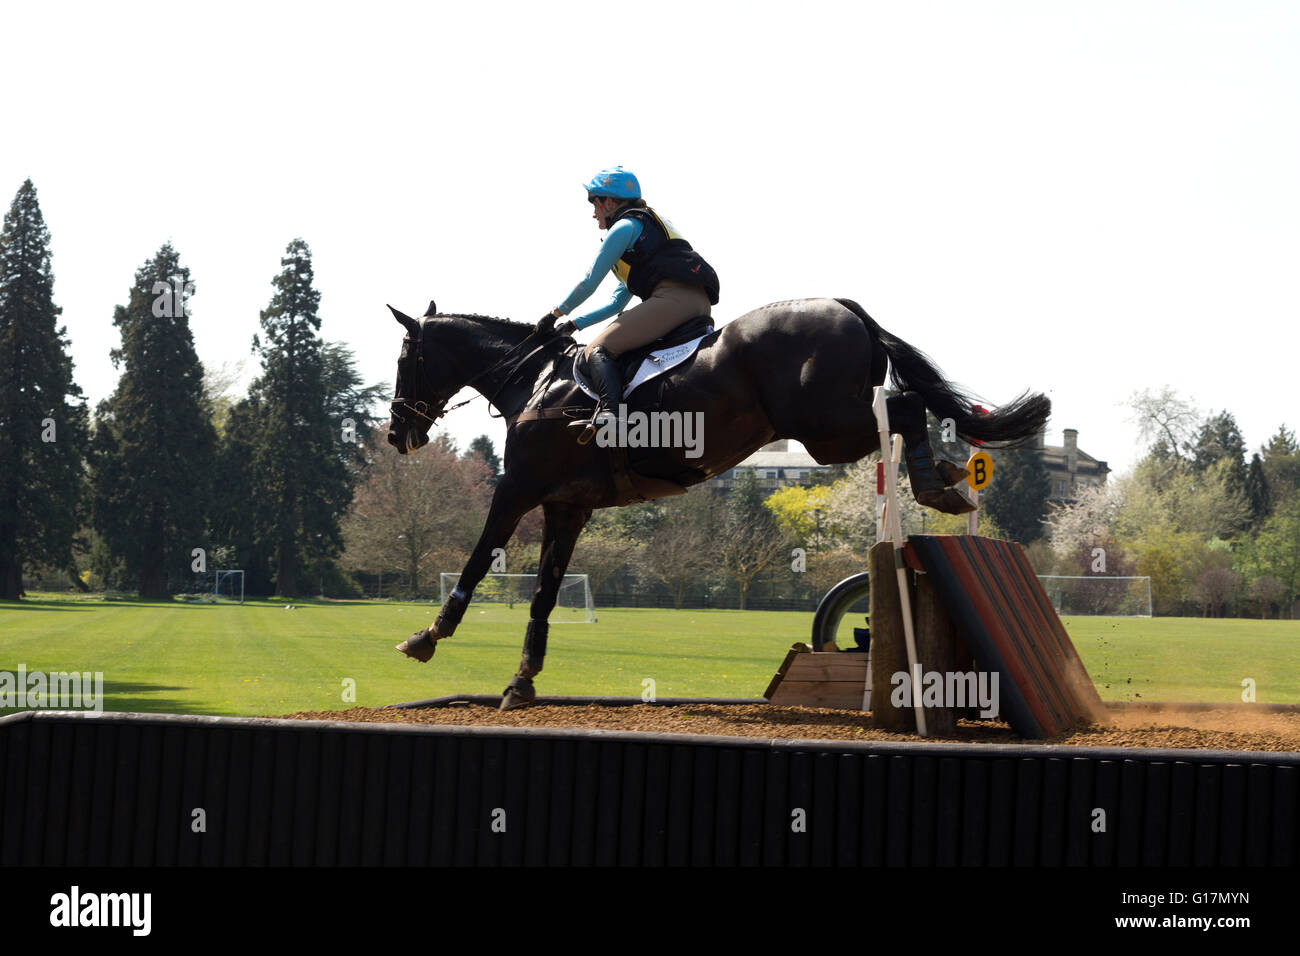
x,y
160,790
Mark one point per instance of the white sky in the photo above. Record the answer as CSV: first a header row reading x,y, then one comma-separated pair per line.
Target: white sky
x,y
1082,198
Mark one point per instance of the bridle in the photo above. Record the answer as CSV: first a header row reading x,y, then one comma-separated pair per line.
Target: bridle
x,y
414,378
415,370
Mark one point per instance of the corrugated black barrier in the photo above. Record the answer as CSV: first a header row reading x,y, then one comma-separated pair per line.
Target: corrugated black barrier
x,y
160,790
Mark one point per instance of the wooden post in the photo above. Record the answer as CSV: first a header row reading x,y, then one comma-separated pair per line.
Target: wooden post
x,y
937,644
888,646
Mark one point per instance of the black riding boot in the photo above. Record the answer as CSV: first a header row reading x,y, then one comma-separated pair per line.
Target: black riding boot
x,y
602,369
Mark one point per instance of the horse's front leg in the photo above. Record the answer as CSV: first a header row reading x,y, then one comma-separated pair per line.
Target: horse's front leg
x,y
560,533
508,506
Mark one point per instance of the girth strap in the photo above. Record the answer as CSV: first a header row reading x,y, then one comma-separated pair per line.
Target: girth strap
x,y
540,414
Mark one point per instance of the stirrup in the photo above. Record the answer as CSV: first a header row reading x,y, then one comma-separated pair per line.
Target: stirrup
x,y
589,426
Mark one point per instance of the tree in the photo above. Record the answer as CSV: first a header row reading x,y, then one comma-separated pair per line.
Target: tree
x,y
1265,591
750,541
799,512
1213,588
1280,459
482,447
1017,497
415,513
152,451
243,499
1257,492
1219,438
1165,421
600,553
42,414
349,406
1087,522
1275,551
679,552
218,390
301,461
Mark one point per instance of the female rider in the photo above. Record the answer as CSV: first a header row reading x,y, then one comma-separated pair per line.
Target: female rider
x,y
651,260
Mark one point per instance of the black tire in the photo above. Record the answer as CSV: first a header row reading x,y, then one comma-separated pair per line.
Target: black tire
x,y
834,605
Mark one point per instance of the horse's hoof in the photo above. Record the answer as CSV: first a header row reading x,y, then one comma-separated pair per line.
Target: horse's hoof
x,y
950,473
419,645
948,501
520,693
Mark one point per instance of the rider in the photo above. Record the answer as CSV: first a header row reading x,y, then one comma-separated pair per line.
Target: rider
x,y
651,260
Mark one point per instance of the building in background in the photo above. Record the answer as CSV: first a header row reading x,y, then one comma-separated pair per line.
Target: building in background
x,y
776,465
1071,470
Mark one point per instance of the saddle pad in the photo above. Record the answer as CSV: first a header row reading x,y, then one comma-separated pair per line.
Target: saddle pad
x,y
655,364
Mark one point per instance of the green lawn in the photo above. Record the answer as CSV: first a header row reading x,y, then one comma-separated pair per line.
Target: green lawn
x,y
260,658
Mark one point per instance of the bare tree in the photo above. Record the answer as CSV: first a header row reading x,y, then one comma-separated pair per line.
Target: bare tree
x,y
414,510
1265,591
1167,423
1213,588
601,552
678,555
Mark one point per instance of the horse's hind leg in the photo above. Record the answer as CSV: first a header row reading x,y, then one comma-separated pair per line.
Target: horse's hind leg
x,y
930,479
559,535
848,432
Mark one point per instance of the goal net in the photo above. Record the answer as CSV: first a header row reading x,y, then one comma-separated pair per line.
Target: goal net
x,y
504,592
1084,596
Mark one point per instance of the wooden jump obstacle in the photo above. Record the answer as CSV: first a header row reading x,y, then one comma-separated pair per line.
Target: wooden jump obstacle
x,y
979,610
956,620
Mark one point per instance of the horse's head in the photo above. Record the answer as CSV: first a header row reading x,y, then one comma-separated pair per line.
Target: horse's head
x,y
422,385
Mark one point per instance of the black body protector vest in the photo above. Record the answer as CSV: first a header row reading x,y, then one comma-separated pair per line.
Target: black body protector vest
x,y
661,253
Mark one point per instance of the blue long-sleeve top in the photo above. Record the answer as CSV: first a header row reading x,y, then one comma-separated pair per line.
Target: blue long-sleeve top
x,y
619,239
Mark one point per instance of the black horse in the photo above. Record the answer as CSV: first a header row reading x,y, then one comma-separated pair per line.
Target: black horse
x,y
801,369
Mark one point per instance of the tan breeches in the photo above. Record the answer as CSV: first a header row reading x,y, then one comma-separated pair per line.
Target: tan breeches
x,y
671,304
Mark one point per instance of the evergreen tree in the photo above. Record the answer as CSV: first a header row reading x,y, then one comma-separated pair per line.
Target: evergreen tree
x,y
1257,495
299,458
42,414
152,452
1220,439
349,405
482,447
1017,497
1281,460
243,503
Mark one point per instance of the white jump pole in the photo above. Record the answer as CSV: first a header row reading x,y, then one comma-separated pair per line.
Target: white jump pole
x,y
896,536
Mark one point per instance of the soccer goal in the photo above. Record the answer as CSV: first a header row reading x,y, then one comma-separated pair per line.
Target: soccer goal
x,y
515,591
228,586
1094,596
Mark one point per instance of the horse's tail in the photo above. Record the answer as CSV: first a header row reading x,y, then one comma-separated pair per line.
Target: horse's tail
x,y
911,370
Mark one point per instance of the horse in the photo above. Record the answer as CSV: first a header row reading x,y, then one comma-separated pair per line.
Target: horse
x,y
802,369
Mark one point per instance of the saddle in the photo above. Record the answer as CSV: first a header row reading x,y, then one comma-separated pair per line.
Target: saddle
x,y
638,366
638,476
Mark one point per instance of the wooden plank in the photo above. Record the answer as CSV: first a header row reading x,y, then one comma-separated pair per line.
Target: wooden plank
x,y
840,695
790,656
829,666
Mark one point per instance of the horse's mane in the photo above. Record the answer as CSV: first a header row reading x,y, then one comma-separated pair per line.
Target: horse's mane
x,y
490,319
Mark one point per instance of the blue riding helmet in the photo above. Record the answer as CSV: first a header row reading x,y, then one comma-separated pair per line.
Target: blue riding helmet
x,y
616,182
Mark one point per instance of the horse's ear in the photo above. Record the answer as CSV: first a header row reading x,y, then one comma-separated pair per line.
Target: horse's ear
x,y
431,310
408,323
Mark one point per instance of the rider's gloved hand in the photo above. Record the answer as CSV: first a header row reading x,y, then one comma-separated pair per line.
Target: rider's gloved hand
x,y
567,327
546,323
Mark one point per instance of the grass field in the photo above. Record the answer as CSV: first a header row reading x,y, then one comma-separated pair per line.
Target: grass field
x,y
261,658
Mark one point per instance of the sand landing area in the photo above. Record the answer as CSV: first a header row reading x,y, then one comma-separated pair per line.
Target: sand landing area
x,y
1153,726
